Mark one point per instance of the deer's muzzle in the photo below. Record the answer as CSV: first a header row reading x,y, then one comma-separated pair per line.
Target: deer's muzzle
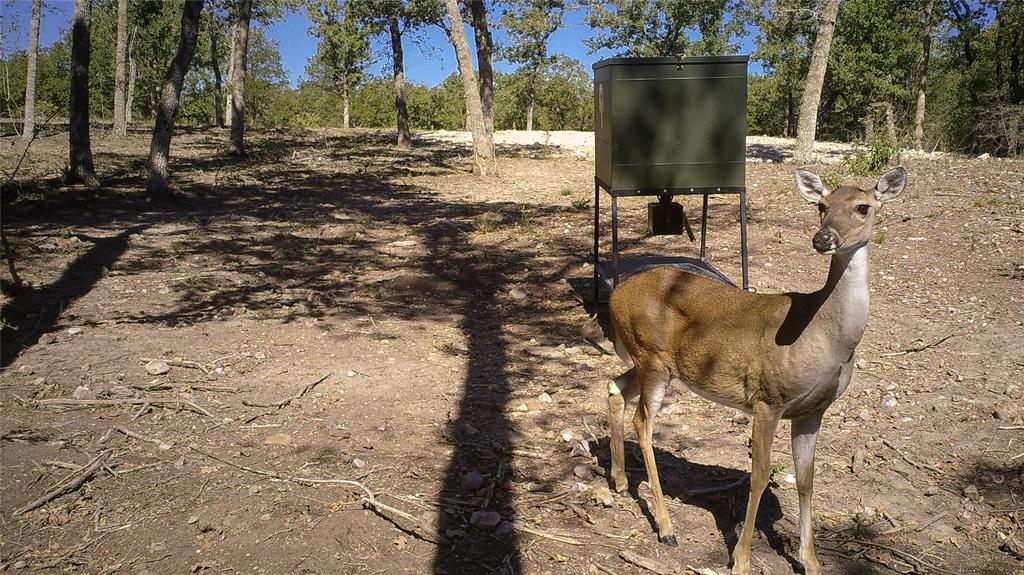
x,y
825,241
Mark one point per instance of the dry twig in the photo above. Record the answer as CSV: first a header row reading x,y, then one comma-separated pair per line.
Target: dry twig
x,y
907,458
922,347
68,484
287,400
164,403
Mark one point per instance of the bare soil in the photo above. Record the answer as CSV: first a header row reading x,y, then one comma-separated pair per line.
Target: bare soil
x,y
444,311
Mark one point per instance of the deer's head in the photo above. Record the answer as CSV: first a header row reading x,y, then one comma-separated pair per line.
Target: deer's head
x,y
847,212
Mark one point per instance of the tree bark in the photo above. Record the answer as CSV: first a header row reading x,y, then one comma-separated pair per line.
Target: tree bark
x,y
922,75
120,128
218,91
81,168
401,108
241,41
484,50
231,75
167,108
29,126
807,128
346,106
483,154
133,70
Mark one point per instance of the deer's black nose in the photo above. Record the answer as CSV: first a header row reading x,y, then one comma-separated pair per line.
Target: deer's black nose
x,y
825,240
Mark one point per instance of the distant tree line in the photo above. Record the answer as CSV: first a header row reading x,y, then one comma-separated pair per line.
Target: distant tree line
x,y
943,74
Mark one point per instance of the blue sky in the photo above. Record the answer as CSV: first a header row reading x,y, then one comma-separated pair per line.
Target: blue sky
x,y
429,58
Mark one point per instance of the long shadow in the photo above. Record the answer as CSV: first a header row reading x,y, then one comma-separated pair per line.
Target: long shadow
x,y
35,311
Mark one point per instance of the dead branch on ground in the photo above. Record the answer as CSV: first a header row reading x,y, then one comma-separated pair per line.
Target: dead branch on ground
x,y
164,403
289,399
922,347
69,484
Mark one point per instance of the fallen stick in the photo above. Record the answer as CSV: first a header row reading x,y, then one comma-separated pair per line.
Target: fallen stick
x,y
164,403
287,400
179,363
161,386
718,489
907,458
68,484
900,552
369,498
520,526
918,348
140,437
646,563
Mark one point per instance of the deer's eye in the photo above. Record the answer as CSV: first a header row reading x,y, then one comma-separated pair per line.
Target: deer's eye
x,y
863,209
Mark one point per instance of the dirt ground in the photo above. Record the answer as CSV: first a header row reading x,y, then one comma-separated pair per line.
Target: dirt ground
x,y
333,310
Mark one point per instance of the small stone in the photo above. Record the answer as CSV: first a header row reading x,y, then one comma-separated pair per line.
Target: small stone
x,y
461,346
1005,410
485,519
157,367
584,367
83,392
1013,547
359,463
350,374
472,480
861,364
20,564
572,350
48,338
857,461
741,418
931,491
789,479
891,386
534,405
864,415
504,529
566,435
985,156
39,382
517,294
544,398
971,492
278,439
603,495
581,449
1013,391
259,355
522,407
75,330
889,402
26,370
584,472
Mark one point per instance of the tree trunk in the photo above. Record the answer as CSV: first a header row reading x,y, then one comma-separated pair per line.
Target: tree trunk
x,y
484,49
167,108
922,76
133,71
120,128
890,123
241,41
404,138
218,92
345,106
29,127
482,148
231,75
80,147
807,128
529,115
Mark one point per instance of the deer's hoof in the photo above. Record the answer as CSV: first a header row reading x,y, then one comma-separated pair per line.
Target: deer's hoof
x,y
669,540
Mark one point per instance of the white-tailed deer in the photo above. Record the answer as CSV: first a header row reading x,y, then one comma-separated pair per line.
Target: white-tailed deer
x,y
774,356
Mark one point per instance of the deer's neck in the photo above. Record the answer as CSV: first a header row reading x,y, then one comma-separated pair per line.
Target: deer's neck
x,y
843,301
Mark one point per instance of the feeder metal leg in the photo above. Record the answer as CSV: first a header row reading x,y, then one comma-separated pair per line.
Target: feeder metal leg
x,y
743,237
615,242
704,229
597,236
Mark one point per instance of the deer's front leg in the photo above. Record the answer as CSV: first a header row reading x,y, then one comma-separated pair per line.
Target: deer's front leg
x,y
805,436
761,437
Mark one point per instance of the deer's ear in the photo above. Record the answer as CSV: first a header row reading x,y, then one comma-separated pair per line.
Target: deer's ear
x,y
891,184
809,185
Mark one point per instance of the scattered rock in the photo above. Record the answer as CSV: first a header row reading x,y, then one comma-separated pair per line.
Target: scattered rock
x,y
789,479
931,491
1013,391
581,448
566,435
20,564
889,402
544,398
504,529
485,519
26,370
350,374
572,350
157,367
278,439
741,418
404,243
857,461
48,338
861,364
472,480
358,463
461,346
83,392
534,405
75,330
1005,410
971,492
584,472
39,382
984,156
517,294
864,415
584,367
603,495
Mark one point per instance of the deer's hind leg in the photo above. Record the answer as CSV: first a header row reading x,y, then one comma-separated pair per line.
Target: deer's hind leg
x,y
621,391
653,384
